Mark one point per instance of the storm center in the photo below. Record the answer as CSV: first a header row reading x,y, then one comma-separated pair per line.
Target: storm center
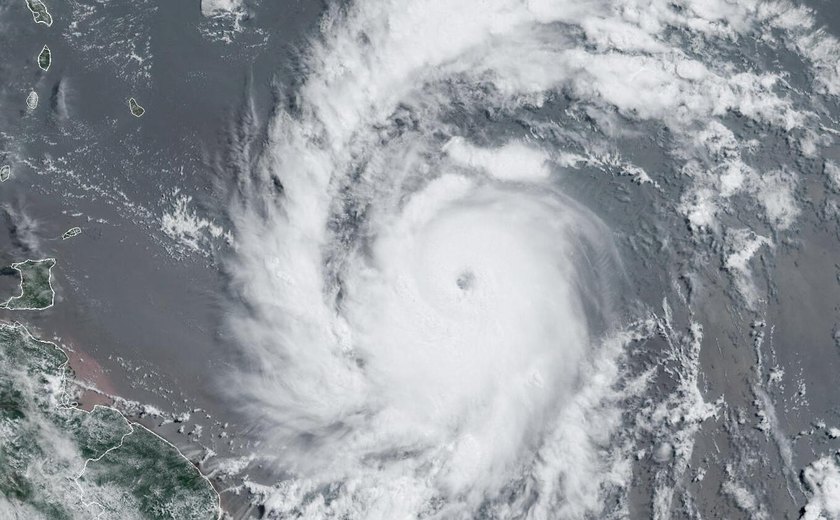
x,y
465,280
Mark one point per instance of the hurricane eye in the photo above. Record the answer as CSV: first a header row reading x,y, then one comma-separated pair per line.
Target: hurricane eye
x,y
465,280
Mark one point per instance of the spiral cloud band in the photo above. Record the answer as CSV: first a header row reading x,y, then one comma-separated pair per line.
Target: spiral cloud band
x,y
457,338
427,315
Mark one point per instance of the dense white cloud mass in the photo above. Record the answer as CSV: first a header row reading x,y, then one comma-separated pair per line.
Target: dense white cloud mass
x,y
425,312
512,161
215,7
823,479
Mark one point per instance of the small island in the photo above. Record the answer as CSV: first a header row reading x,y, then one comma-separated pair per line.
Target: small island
x,y
39,12
72,232
32,100
36,292
136,109
61,462
45,59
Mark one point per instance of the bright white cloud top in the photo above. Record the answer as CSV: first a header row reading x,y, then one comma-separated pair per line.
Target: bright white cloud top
x,y
426,313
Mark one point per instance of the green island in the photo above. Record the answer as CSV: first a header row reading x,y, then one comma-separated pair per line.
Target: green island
x,y
59,462
45,59
39,12
136,109
36,292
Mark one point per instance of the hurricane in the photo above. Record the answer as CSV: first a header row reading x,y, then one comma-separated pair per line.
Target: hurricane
x,y
433,325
